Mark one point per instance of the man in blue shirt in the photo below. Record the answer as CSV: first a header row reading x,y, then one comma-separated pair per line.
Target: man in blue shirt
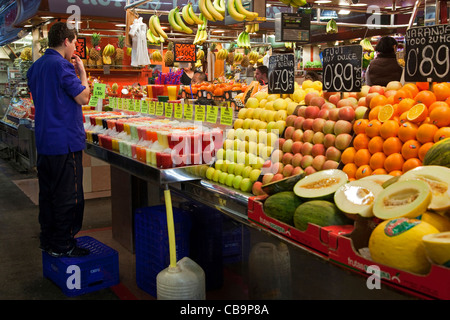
x,y
58,94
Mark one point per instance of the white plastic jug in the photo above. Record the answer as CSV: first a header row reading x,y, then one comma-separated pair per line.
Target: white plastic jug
x,y
186,281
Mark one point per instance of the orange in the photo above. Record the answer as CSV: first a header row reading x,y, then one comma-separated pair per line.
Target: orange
x,y
405,105
402,118
422,85
375,144
379,171
373,128
441,134
377,160
412,88
348,155
386,112
362,157
363,171
424,149
378,100
447,101
396,173
425,132
402,94
441,91
418,113
350,169
393,162
407,131
410,149
360,125
437,104
392,145
440,116
411,164
389,129
373,113
426,97
361,141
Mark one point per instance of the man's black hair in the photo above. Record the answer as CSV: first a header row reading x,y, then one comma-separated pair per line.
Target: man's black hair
x,y
263,69
58,33
386,45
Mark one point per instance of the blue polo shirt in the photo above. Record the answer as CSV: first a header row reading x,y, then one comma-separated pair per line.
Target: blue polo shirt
x,y
58,117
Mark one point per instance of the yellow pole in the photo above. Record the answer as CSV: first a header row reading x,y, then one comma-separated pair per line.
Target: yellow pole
x,y
170,228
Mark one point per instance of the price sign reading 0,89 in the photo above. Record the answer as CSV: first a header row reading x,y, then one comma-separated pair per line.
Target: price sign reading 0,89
x,y
427,56
342,69
281,73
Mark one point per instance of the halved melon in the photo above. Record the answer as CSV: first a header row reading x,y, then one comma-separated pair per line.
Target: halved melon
x,y
357,197
320,184
378,178
437,247
407,199
438,179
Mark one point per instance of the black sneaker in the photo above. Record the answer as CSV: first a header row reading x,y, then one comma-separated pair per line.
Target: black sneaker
x,y
72,253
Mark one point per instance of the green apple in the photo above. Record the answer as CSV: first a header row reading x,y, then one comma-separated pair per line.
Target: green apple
x,y
209,173
241,157
218,164
231,166
216,175
222,177
246,185
228,144
229,179
259,162
230,134
202,171
246,171
254,175
237,181
239,134
220,154
252,147
238,169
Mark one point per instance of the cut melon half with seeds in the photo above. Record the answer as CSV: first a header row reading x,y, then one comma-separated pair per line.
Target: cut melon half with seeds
x,y
320,184
437,247
407,199
357,197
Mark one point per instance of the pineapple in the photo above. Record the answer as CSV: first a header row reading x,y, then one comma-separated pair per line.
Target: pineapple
x,y
118,58
168,56
94,52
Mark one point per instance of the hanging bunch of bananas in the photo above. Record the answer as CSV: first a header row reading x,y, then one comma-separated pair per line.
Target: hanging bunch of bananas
x,y
252,28
253,57
158,34
289,45
213,11
108,51
238,56
189,15
243,40
152,39
222,54
200,54
367,46
201,34
156,56
332,26
237,11
294,3
177,23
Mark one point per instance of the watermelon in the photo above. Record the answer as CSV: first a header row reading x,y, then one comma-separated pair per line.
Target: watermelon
x,y
282,206
319,212
438,154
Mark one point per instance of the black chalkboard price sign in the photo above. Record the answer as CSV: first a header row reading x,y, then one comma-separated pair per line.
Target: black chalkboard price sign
x,y
281,73
427,55
342,69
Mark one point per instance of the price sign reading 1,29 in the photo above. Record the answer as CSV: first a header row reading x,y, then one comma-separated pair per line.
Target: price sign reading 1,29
x,y
427,56
342,69
281,73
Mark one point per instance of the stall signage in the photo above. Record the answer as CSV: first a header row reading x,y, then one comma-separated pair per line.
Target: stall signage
x,y
427,57
226,116
178,113
80,48
281,73
184,52
144,107
99,90
211,113
188,111
151,107
199,112
159,108
168,109
342,69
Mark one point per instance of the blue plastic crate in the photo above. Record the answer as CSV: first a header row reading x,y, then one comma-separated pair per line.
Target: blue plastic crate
x,y
77,276
152,243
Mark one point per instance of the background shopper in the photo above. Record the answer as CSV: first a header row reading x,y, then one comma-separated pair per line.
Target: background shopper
x,y
261,75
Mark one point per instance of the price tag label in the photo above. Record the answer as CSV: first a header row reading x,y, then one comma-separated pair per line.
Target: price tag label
x,y
342,69
159,108
427,57
93,101
281,73
99,90
185,52
113,102
188,111
168,108
151,107
144,107
211,114
130,105
226,116
137,105
178,111
120,103
199,113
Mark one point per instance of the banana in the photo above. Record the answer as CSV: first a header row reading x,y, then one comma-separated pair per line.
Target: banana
x,y
233,12
297,3
193,15
212,10
219,5
180,22
151,37
157,26
151,25
186,15
249,16
173,22
204,10
200,54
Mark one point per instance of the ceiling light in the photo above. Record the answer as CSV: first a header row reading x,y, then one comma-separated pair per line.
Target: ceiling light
x,y
322,1
121,25
344,11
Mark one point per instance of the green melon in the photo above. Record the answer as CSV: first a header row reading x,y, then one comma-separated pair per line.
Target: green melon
x,y
438,154
282,206
319,212
320,184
